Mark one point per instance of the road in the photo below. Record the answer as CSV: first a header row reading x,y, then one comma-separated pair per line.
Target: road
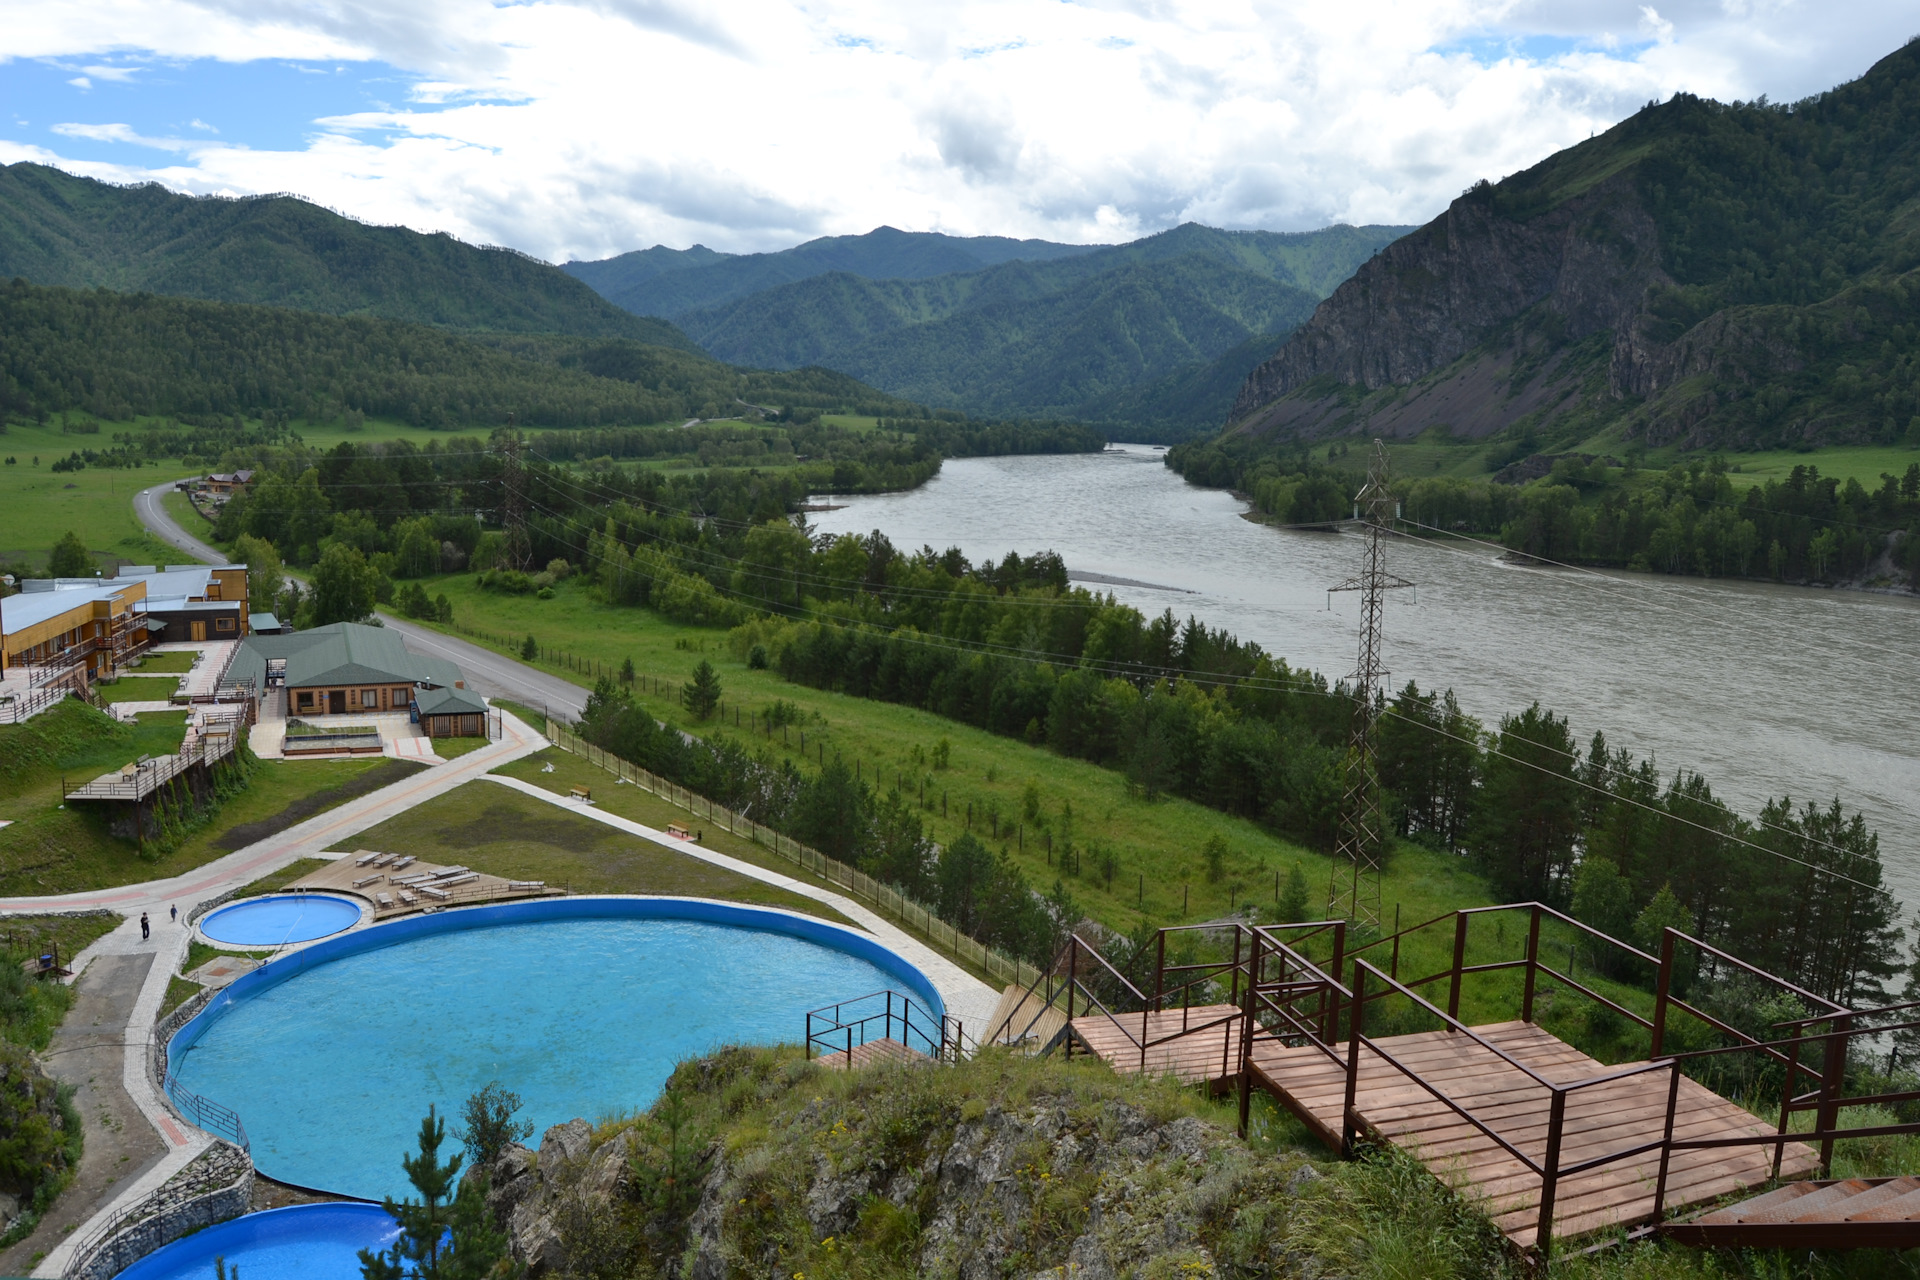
x,y
487,672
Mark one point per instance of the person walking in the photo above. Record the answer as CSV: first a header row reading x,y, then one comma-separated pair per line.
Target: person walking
x,y
173,913
146,930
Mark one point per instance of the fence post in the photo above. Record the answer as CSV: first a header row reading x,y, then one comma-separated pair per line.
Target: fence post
x,y
1332,1031
1662,986
1533,964
1246,1041
1666,1143
1792,1052
1073,956
1460,919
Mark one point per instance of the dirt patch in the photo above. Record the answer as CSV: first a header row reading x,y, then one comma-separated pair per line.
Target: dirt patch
x,y
300,810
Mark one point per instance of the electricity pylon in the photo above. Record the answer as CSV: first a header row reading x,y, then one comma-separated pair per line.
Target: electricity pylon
x,y
518,549
1353,892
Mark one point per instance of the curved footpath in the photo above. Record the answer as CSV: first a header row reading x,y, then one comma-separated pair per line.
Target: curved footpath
x,y
122,979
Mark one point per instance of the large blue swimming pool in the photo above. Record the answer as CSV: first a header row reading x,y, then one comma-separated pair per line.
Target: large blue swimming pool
x,y
582,1006
281,918
305,1242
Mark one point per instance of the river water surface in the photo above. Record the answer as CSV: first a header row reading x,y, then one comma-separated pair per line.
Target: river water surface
x,y
1765,690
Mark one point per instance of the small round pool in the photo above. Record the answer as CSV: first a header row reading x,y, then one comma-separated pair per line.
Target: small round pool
x,y
331,1054
303,1242
281,918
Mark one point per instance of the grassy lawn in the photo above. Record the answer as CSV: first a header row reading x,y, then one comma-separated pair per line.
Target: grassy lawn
x,y
177,661
453,748
37,505
138,689
499,831
54,849
181,508
27,936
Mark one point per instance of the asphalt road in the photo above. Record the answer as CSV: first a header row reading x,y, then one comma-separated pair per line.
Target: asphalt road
x,y
487,672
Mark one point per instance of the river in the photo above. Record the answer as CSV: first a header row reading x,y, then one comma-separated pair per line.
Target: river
x,y
1765,690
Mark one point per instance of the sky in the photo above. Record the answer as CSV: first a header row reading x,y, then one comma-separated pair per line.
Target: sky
x,y
586,128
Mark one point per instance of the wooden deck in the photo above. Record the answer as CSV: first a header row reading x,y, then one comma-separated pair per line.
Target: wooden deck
x,y
1026,1020
1391,1107
348,876
873,1051
1209,1056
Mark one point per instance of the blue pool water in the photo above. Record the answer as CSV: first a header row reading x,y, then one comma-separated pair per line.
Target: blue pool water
x,y
305,1242
287,917
581,1014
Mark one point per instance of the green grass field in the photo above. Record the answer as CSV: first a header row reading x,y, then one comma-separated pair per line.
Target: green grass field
x,y
179,661
499,831
37,505
51,848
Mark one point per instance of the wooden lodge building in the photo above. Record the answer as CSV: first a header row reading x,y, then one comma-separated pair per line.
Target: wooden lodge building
x,y
85,628
349,669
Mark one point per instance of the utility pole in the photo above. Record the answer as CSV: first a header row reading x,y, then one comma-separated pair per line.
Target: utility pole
x,y
1353,892
513,505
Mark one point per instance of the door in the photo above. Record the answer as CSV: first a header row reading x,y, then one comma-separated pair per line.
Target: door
x,y
199,630
337,702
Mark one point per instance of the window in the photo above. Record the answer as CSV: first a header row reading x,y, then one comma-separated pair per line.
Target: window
x,y
223,624
369,697
305,698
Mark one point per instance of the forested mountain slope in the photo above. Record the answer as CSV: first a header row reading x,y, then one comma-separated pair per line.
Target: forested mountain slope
x,y
1732,276
1070,336
665,282
120,355
58,229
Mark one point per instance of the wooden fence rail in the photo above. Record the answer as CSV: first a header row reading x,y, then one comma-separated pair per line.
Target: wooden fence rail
x,y
886,900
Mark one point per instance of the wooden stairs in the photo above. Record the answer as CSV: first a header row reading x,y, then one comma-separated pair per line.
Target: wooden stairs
x,y
1852,1213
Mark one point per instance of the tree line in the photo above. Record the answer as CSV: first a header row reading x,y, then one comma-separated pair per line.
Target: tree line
x,y
1689,519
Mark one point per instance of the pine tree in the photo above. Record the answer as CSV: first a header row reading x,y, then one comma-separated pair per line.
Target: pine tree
x,y
69,558
703,694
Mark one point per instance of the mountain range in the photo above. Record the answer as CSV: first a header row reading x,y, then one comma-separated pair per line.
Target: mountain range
x,y
58,229
1152,336
1739,276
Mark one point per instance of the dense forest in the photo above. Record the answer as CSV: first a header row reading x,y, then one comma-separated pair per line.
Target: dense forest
x,y
278,250
120,355
1689,519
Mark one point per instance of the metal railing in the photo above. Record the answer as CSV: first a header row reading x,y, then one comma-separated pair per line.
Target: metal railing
x,y
194,1182
148,778
31,703
204,1113
846,1025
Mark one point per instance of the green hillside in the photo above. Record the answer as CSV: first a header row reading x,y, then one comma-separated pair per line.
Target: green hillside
x,y
1074,336
118,356
58,229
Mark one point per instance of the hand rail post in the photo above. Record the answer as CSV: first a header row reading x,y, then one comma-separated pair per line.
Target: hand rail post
x,y
1833,1079
1786,1098
1661,992
1159,968
1550,1174
1533,964
1233,995
1666,1145
849,1046
1073,956
1246,1044
1331,997
1460,920
1347,1127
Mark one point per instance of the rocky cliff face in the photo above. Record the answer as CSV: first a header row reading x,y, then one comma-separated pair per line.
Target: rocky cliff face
x,y
1444,292
993,1168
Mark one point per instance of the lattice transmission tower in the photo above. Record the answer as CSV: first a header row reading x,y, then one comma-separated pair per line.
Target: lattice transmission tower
x,y
518,549
1353,892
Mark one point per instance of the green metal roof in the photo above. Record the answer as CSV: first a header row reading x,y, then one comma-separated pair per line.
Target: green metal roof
x,y
344,653
449,702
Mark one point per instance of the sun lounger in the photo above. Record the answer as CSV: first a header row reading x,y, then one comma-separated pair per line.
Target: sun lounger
x,y
438,895
419,877
364,881
408,899
526,884
446,872
402,864
470,876
383,900
382,860
364,859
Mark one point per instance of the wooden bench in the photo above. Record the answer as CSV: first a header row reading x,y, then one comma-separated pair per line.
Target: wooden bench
x,y
678,832
583,793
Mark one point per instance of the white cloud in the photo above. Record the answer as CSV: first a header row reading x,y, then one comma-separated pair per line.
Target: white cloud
x,y
121,133
81,82
587,127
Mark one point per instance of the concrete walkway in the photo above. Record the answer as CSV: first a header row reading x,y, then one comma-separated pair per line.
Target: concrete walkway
x,y
966,997
132,994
